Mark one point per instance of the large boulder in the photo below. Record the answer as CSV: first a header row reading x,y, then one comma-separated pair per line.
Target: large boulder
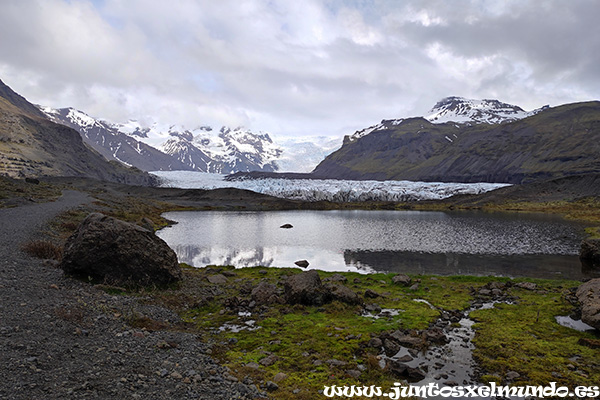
x,y
590,252
117,252
306,288
265,293
344,294
588,295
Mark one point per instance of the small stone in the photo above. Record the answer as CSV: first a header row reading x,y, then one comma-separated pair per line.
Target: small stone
x,y
401,279
337,278
218,279
512,375
527,285
336,363
252,365
269,360
280,376
302,263
371,294
404,359
353,373
54,286
271,386
176,375
414,287
287,226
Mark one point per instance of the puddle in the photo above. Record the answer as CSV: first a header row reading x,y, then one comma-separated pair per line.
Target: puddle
x,y
426,302
249,325
384,313
235,328
576,324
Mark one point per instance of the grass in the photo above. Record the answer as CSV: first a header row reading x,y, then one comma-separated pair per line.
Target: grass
x,y
302,341
44,249
526,338
19,190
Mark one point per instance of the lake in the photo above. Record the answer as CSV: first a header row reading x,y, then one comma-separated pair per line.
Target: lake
x,y
419,242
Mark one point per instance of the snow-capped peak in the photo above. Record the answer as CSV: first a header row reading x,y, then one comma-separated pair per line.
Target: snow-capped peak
x,y
469,111
384,124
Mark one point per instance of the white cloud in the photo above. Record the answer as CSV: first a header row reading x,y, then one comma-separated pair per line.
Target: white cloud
x,y
315,67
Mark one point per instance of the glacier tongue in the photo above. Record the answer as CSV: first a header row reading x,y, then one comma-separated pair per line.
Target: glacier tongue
x,y
329,189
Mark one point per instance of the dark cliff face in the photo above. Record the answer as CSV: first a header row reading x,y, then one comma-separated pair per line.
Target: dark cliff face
x,y
31,145
556,142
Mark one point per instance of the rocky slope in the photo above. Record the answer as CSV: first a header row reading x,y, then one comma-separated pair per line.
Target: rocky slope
x,y
551,143
31,145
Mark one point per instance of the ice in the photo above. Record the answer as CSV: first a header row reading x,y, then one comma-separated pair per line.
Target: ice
x,y
329,189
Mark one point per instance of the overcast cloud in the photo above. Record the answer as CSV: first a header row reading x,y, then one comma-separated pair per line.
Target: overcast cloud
x,y
295,68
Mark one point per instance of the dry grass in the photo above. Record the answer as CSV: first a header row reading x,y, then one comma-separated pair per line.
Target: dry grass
x,y
43,249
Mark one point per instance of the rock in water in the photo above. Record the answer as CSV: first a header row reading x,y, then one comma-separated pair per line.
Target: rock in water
x,y
287,226
588,295
120,253
590,252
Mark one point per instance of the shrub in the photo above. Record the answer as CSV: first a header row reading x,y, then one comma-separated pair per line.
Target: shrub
x,y
43,249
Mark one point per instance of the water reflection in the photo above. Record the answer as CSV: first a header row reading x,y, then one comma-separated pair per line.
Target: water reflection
x,y
472,243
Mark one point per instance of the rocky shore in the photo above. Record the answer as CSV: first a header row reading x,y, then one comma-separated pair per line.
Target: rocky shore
x,y
62,338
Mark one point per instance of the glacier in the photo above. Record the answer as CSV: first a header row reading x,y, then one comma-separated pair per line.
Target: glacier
x,y
338,191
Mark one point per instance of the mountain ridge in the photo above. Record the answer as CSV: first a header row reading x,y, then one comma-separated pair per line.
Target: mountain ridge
x,y
32,145
551,143
201,149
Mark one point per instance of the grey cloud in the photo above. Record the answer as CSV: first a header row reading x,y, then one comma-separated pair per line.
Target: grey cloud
x,y
310,67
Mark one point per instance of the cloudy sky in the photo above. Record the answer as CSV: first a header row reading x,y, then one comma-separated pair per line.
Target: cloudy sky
x,y
296,68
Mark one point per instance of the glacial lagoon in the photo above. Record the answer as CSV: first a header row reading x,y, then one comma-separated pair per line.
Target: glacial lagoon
x,y
416,242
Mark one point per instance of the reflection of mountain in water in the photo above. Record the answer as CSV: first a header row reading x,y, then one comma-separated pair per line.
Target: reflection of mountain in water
x,y
200,257
533,266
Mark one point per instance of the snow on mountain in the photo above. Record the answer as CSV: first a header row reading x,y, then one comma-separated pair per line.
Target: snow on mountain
x,y
107,140
226,151
460,111
384,124
173,147
469,111
328,189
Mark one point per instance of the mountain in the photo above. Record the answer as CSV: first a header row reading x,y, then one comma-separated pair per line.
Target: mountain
x,y
172,147
113,144
469,111
517,147
224,151
32,145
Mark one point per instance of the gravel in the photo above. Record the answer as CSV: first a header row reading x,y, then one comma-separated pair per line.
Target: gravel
x,y
62,338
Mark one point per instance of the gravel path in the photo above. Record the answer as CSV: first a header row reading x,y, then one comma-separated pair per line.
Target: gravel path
x,y
63,339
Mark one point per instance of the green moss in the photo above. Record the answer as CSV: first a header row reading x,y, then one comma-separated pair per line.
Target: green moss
x,y
526,338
